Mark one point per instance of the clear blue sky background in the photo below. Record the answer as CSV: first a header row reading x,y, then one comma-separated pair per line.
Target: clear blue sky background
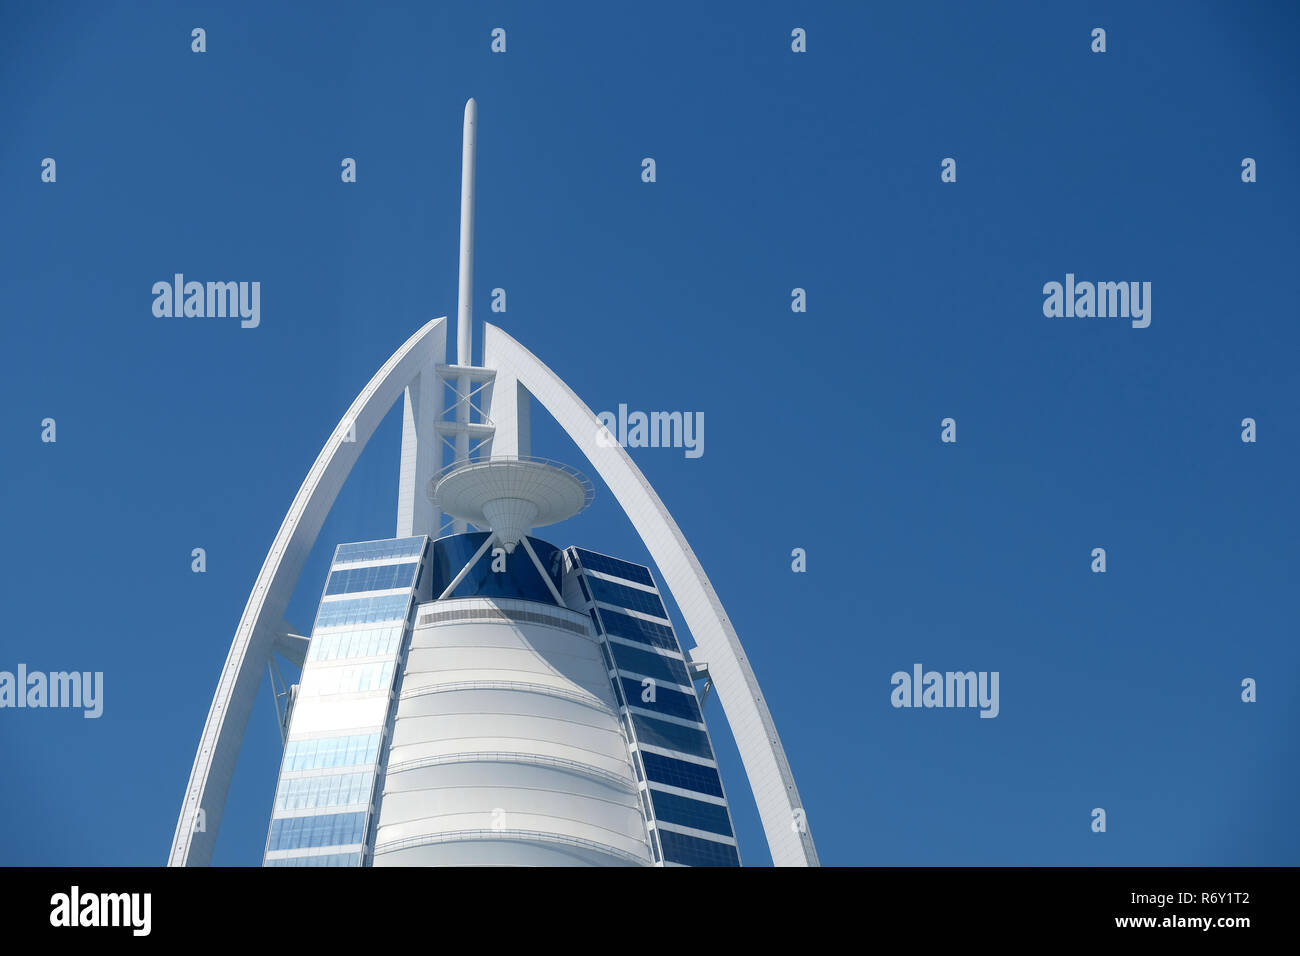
x,y
775,170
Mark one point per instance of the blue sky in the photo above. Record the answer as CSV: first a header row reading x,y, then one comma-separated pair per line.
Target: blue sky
x,y
775,170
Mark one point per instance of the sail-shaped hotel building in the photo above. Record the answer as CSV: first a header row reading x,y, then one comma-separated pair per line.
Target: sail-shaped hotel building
x,y
472,693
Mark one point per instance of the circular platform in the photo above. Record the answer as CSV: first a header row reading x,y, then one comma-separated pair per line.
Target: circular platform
x,y
512,495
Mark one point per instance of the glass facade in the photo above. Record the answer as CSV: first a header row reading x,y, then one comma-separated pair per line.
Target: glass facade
x,y
604,564
692,851
331,790
671,736
380,550
352,751
374,577
680,774
617,624
681,792
674,808
362,610
647,663
329,829
633,599
647,694
319,859
369,641
326,791
520,579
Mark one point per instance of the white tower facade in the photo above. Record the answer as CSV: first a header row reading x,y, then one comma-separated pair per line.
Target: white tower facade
x,y
506,747
470,693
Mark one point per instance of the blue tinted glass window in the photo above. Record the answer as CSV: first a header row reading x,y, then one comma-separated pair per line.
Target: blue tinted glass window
x,y
320,859
318,793
331,829
377,550
520,579
660,733
378,577
620,569
610,593
696,814
327,752
692,851
666,701
583,586
650,664
635,629
364,610
604,652
680,773
367,642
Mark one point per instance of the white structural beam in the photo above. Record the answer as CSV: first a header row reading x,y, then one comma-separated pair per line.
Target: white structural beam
x,y
508,407
421,454
223,734
292,647
469,566
465,286
465,293
537,563
784,822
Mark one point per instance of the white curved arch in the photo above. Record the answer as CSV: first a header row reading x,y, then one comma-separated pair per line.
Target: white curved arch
x,y
770,777
260,625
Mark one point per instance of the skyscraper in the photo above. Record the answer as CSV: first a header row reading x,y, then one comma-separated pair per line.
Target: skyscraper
x,y
483,696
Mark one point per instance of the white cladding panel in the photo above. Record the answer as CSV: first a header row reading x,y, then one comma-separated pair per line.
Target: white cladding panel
x,y
506,749
505,850
321,715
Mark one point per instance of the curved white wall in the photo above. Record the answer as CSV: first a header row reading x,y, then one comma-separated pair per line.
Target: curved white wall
x,y
506,748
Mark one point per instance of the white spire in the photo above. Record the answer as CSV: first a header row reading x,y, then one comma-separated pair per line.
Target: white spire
x,y
465,301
